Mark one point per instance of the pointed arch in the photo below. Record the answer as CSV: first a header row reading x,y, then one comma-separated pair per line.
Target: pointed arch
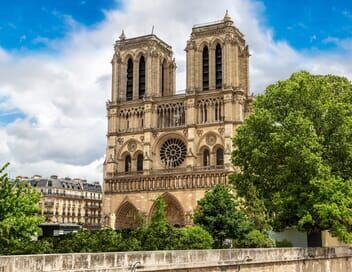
x,y
127,216
174,212
129,84
205,68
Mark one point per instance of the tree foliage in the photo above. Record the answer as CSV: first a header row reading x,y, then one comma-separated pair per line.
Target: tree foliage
x,y
18,211
294,154
195,237
158,235
106,240
222,215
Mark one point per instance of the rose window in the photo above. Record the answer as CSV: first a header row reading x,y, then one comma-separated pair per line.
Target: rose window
x,y
173,152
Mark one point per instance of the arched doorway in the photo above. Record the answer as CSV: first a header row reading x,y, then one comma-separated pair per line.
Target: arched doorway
x,y
174,212
127,216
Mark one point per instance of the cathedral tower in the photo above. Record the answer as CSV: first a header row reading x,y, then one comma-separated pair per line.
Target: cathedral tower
x,y
160,144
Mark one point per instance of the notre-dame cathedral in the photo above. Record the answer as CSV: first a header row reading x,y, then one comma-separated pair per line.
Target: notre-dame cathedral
x,y
169,145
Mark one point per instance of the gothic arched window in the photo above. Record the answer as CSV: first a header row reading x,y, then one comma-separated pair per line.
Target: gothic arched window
x,y
218,66
141,91
205,68
206,157
129,85
140,162
163,78
220,156
127,164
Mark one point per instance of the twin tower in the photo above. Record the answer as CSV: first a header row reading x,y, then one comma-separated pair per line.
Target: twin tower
x,y
166,145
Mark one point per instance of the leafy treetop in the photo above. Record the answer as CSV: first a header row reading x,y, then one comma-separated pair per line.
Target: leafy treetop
x,y
18,210
295,154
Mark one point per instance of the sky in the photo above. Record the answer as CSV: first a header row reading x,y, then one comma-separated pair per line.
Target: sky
x,y
55,71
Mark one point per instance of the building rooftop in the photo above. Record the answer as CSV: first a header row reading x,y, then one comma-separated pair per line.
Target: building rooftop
x,y
65,183
123,40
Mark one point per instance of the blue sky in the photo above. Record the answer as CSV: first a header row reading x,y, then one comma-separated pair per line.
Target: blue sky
x,y
310,23
28,25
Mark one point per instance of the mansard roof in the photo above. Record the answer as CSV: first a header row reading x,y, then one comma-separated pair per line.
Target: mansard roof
x,y
66,183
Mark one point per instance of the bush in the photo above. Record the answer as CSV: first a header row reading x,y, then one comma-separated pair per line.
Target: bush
x,y
17,247
283,243
255,238
106,240
194,237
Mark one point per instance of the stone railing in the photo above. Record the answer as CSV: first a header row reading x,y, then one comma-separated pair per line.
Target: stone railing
x,y
269,260
171,170
168,179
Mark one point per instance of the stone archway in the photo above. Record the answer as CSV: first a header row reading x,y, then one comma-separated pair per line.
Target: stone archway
x,y
127,216
175,214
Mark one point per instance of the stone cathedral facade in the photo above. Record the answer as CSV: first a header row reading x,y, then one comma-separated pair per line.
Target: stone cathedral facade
x,y
163,144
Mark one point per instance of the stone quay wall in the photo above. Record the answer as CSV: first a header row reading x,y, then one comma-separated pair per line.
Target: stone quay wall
x,y
337,259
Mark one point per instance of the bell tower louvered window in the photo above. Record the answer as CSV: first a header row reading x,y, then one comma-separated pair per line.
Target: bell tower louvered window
x,y
163,67
205,68
129,86
141,88
218,67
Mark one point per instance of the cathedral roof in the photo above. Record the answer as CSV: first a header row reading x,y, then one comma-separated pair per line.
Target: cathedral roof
x,y
140,39
216,25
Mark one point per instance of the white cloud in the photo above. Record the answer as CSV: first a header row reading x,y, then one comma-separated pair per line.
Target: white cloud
x,y
63,94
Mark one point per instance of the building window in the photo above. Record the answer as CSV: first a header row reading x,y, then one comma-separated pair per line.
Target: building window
x,y
218,67
205,68
129,87
140,162
206,157
173,152
219,156
128,164
141,92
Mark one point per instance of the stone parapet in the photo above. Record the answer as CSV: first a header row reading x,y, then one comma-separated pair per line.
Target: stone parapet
x,y
166,181
337,259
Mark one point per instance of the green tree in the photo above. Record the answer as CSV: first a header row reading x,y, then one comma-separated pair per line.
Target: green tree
x,y
254,238
219,213
18,212
294,154
158,235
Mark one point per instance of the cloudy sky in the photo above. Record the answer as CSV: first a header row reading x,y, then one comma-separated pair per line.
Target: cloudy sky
x,y
55,64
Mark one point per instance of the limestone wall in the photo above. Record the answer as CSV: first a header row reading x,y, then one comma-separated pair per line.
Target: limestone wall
x,y
337,259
